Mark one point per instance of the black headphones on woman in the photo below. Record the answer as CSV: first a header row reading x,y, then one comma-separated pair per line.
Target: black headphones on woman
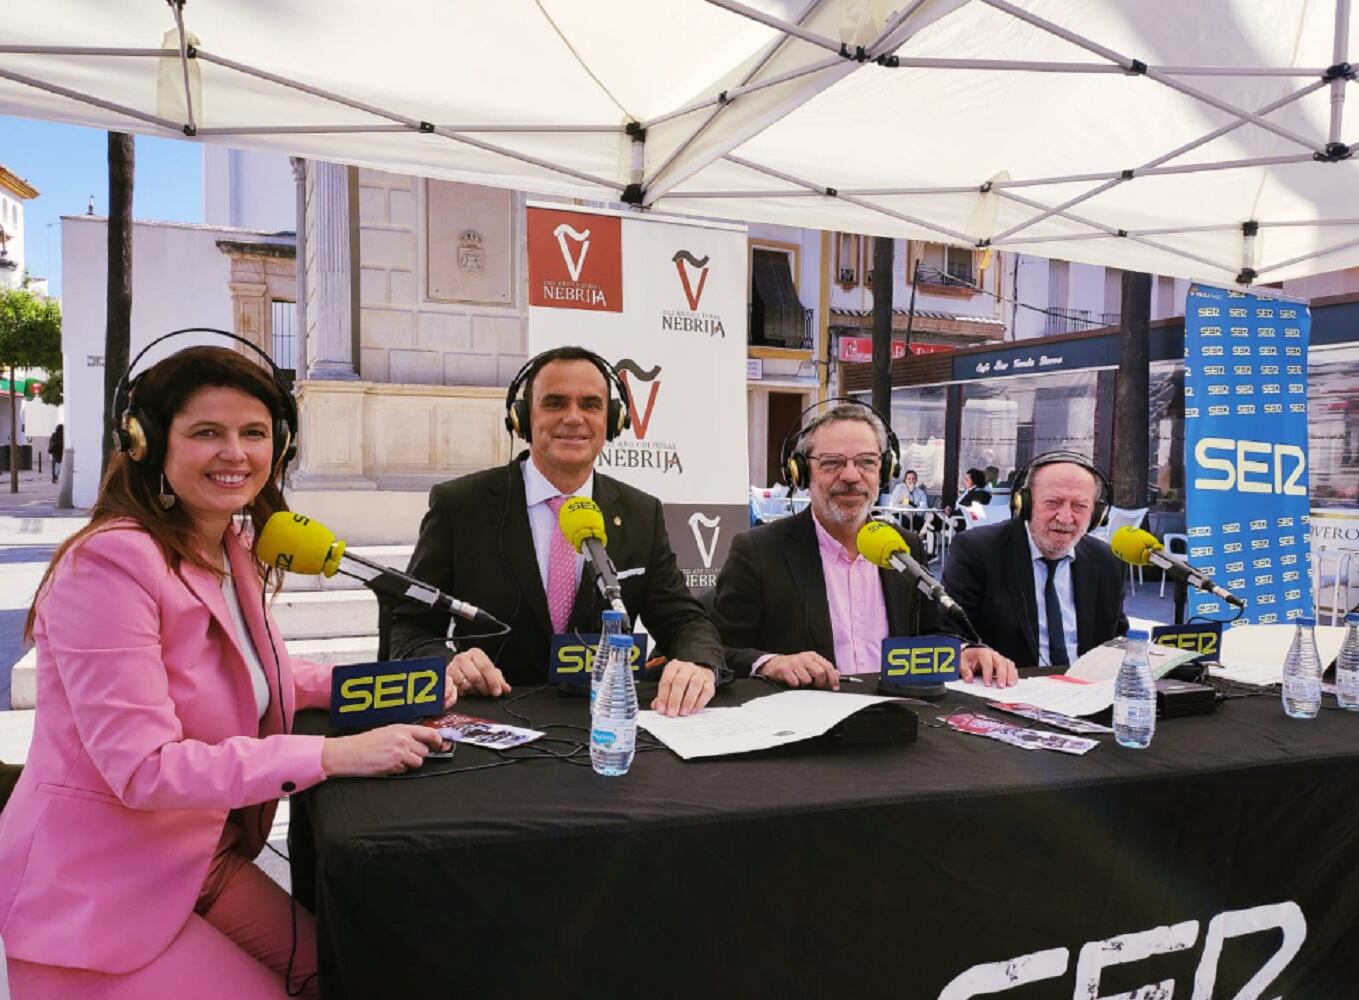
x,y
796,469
142,436
1021,499
517,417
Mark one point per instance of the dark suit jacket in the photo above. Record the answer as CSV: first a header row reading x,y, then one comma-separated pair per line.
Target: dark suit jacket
x,y
989,571
771,595
475,544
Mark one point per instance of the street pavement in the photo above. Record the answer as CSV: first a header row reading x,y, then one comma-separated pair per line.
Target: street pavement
x,y
31,529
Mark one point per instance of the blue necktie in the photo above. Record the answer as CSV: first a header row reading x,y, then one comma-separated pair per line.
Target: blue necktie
x,y
1057,653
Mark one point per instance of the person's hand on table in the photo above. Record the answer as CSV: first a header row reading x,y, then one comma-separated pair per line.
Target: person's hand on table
x,y
473,673
685,688
385,750
988,666
805,669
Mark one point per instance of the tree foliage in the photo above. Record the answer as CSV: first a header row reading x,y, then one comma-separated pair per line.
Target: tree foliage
x,y
30,335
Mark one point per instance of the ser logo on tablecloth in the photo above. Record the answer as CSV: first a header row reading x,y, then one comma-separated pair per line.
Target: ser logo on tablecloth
x,y
994,978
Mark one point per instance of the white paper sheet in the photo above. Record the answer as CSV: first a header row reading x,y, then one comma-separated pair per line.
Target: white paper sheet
x,y
1254,654
771,721
1055,692
1102,662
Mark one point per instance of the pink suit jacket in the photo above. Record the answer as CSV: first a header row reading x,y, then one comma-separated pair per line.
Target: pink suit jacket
x,y
145,737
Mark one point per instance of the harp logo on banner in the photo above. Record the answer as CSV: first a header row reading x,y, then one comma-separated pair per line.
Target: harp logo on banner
x,y
693,276
641,415
707,548
692,293
659,455
575,261
582,242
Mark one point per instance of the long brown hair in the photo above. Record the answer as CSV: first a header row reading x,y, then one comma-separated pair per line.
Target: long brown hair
x,y
130,489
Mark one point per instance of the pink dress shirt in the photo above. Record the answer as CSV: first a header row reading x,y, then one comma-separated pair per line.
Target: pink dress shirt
x,y
858,611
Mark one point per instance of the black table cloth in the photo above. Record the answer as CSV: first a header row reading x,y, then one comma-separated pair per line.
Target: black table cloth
x,y
832,870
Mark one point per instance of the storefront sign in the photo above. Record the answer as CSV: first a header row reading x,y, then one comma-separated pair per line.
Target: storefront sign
x,y
859,350
1067,355
1245,418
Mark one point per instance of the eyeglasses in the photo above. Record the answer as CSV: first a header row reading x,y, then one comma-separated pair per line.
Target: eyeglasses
x,y
868,462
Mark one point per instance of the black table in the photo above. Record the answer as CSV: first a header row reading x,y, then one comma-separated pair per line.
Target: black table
x,y
833,870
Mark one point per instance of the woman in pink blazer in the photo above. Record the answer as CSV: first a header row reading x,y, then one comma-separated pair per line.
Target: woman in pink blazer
x,y
165,696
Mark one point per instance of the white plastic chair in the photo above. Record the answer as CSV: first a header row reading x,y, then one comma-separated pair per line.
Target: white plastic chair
x,y
1120,518
1174,542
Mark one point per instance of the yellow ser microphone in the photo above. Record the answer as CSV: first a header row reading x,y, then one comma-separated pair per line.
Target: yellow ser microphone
x,y
882,545
294,542
1142,548
582,522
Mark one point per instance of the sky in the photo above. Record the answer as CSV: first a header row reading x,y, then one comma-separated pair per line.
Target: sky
x,y
67,164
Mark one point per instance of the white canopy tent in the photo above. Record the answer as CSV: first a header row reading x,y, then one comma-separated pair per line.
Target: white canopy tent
x,y
1203,139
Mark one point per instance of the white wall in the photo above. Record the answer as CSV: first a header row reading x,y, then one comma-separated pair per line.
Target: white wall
x,y
249,190
179,279
12,218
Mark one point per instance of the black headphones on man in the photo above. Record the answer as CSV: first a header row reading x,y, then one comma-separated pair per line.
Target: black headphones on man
x,y
796,470
1021,497
517,417
143,438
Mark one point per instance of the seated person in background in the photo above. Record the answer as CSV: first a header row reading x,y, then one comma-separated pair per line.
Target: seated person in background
x,y
975,492
492,538
797,603
1018,578
909,493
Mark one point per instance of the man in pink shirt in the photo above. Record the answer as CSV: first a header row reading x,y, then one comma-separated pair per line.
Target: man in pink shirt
x,y
797,603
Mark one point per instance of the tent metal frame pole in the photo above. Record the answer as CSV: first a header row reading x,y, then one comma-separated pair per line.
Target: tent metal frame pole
x,y
961,238
1338,51
78,50
1153,166
1061,208
771,50
1118,233
769,21
75,95
191,125
1035,66
893,36
1134,66
413,124
1308,256
734,92
342,129
799,193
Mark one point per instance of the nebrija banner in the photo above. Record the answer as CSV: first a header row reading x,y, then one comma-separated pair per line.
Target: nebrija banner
x,y
1245,419
664,301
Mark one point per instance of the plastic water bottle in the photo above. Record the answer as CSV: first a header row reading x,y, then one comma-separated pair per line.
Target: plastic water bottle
x,y
613,715
1302,673
1135,694
1347,666
612,624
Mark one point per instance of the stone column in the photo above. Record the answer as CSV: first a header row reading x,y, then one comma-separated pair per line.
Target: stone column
x,y
300,225
330,302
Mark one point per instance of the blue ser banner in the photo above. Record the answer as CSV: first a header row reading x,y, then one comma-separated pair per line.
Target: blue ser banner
x,y
1245,422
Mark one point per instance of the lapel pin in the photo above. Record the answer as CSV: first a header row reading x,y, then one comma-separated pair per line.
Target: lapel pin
x,y
617,521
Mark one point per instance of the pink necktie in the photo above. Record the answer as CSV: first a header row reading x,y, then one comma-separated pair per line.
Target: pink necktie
x,y
561,573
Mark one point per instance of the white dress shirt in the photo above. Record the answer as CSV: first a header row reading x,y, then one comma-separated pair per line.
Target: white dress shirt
x,y
542,522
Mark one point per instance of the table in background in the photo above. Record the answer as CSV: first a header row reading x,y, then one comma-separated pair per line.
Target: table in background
x,y
832,870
